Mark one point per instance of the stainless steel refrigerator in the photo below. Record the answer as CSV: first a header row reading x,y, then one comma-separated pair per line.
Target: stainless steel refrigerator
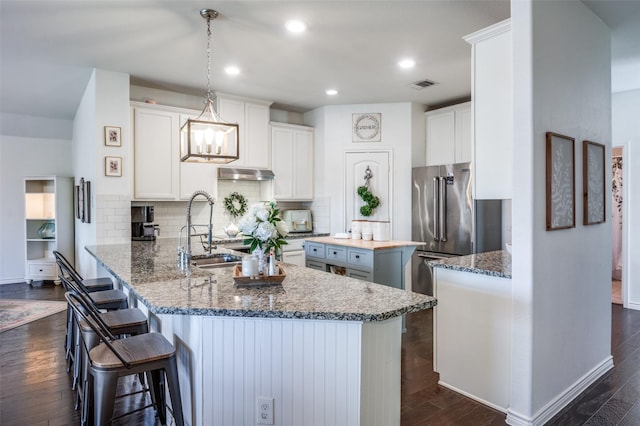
x,y
447,218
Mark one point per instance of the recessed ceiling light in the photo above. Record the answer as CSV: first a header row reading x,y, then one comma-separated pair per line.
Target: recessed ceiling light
x,y
232,70
331,92
295,26
407,63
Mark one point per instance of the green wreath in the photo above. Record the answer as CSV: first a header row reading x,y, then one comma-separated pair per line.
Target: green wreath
x,y
235,204
371,201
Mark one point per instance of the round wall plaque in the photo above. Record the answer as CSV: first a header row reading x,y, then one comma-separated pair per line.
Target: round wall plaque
x,y
366,127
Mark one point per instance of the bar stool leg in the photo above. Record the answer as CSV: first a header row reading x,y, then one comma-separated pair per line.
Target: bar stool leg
x,y
157,384
174,390
104,392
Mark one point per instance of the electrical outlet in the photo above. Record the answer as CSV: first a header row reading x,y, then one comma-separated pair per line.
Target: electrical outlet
x,y
265,411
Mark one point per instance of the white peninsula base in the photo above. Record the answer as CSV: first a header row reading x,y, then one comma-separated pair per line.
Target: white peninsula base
x,y
472,335
318,372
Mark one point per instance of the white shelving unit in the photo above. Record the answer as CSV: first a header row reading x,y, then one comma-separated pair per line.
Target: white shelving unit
x,y
47,200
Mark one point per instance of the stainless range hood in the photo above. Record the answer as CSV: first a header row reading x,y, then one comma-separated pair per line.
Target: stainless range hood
x,y
225,173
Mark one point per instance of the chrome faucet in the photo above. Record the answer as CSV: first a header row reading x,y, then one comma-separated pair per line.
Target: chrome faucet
x,y
185,253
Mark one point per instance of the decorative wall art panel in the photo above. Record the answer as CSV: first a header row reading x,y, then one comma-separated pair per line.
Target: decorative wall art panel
x,y
593,183
560,199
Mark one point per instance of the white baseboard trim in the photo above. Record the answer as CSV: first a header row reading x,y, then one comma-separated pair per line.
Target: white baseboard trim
x,y
633,305
474,397
12,280
562,400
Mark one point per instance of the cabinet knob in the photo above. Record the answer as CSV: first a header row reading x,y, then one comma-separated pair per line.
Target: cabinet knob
x,y
40,270
357,256
335,253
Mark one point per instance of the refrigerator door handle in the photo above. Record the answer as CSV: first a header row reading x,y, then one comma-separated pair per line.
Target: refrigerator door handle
x,y
436,207
442,214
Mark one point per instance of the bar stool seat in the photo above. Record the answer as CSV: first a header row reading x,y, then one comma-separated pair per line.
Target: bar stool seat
x,y
97,284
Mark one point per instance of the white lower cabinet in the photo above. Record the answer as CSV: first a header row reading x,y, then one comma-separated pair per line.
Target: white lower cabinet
x,y
293,252
292,162
158,172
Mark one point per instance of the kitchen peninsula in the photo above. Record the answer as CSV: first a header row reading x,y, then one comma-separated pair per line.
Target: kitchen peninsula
x,y
325,348
472,326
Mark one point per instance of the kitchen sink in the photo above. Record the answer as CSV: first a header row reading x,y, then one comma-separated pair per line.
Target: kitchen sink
x,y
216,260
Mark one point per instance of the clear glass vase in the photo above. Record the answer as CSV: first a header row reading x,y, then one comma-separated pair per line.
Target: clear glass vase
x,y
262,260
47,230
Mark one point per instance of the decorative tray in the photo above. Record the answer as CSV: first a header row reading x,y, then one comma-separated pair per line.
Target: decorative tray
x,y
258,280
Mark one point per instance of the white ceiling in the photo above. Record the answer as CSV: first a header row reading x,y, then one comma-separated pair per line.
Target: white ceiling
x,y
48,48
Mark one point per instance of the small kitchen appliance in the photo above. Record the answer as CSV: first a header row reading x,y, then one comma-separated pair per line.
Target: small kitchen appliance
x,y
297,220
449,221
142,227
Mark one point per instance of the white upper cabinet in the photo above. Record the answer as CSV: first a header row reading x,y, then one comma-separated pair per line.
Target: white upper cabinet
x,y
158,172
449,135
292,162
492,103
252,118
156,154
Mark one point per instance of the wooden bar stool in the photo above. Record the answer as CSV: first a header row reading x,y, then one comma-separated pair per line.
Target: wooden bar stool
x,y
91,284
122,322
108,300
145,353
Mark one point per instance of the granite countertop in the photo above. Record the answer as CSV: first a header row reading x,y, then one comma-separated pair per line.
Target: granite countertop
x,y
222,240
150,270
494,263
369,245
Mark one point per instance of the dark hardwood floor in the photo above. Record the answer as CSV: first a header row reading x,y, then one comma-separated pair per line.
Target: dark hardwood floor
x,y
36,390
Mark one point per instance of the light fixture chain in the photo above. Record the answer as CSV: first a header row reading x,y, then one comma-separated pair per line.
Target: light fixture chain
x,y
209,95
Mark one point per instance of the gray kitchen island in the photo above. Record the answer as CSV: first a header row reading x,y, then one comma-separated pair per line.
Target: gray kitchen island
x,y
322,348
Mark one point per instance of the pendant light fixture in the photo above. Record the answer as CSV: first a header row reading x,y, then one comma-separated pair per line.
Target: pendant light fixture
x,y
208,138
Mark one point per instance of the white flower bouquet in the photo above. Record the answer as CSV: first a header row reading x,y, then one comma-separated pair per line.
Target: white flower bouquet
x,y
263,228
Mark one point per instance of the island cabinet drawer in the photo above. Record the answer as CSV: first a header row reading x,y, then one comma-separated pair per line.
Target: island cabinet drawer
x,y
316,265
360,275
314,250
337,254
361,259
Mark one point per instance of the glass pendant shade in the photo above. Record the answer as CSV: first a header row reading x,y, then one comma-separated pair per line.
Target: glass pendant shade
x,y
209,139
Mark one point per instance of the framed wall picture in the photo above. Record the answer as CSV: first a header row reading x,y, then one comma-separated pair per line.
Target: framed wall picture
x,y
113,166
366,127
560,182
87,202
78,202
593,183
112,136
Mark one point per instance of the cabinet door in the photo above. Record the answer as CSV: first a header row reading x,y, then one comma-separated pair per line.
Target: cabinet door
x,y
294,257
282,160
257,150
303,165
493,117
155,154
463,139
232,111
440,138
196,176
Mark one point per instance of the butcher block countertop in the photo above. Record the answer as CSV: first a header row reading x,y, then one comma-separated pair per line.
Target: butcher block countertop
x,y
362,244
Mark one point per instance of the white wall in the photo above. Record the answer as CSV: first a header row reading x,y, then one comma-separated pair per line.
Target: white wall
x,y
561,321
333,137
22,156
626,133
105,103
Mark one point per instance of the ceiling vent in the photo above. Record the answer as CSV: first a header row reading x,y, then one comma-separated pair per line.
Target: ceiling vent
x,y
419,85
